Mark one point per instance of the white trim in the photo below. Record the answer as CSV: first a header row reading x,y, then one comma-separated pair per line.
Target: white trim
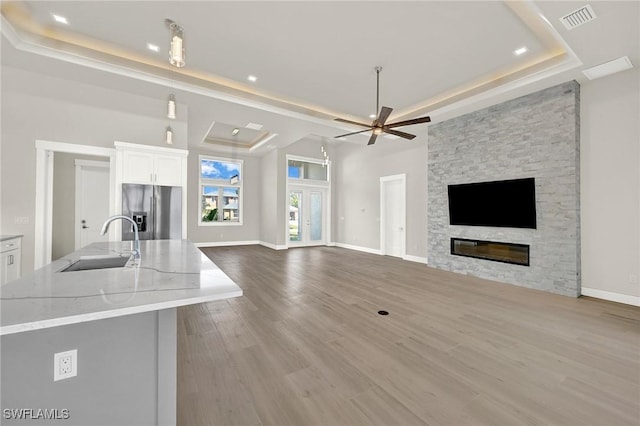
x,y
309,160
90,163
401,176
227,243
150,148
306,190
222,184
262,142
611,296
73,148
331,244
43,220
403,182
359,248
417,259
272,246
309,184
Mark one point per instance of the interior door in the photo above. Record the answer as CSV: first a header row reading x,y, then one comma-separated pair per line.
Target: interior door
x,y
92,201
307,216
392,225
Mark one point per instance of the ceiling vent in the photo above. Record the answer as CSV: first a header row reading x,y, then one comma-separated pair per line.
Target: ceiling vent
x,y
578,17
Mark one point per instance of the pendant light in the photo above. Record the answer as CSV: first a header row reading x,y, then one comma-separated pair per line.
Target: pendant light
x,y
176,44
171,107
169,136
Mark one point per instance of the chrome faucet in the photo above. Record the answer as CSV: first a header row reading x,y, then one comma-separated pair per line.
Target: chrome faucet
x,y
136,241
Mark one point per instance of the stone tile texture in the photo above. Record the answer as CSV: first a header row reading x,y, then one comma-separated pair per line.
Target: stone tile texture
x,y
538,136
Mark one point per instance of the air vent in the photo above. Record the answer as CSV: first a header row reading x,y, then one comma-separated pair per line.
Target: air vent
x,y
578,17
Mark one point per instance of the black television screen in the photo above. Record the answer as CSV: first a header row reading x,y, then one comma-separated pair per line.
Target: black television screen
x,y
505,203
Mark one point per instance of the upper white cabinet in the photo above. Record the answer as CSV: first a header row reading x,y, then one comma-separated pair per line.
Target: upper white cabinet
x,y
152,165
168,170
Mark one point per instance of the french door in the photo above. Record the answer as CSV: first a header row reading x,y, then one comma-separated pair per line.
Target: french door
x,y
307,216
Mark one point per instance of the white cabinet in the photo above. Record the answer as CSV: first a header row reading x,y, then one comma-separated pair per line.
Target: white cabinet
x,y
10,259
151,168
150,165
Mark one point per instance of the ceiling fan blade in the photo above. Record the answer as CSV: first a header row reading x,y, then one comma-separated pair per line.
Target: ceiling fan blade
x,y
385,112
410,122
397,133
342,120
372,139
352,133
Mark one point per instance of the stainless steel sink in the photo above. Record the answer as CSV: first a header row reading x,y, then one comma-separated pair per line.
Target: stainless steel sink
x,y
85,263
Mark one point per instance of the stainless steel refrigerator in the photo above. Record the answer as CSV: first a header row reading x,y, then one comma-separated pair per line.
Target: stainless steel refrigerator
x,y
157,210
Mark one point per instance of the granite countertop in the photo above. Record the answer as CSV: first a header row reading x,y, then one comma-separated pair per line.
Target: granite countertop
x,y
9,237
170,273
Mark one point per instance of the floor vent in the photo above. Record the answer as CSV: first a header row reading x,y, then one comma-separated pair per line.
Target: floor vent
x,y
578,17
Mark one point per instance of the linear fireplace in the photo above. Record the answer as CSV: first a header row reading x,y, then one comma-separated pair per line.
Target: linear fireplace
x,y
517,254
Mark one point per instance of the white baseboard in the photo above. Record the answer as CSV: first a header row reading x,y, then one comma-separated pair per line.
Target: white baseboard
x,y
272,246
332,244
358,248
611,296
418,259
227,243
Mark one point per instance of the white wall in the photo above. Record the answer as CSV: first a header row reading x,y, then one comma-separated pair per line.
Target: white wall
x,y
36,106
269,198
610,176
357,195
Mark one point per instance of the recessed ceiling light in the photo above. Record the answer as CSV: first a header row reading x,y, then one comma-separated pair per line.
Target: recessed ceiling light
x,y
60,19
608,68
254,126
235,131
153,47
372,116
520,51
252,78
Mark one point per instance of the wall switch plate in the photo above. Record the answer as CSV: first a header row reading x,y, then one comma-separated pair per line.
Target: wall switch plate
x,y
65,365
21,220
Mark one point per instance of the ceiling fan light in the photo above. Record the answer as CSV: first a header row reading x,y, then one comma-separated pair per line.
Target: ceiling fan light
x,y
377,131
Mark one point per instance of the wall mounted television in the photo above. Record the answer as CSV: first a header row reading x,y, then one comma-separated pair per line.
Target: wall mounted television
x,y
504,203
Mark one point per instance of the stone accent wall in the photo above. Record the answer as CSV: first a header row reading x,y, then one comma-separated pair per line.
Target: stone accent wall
x,y
538,136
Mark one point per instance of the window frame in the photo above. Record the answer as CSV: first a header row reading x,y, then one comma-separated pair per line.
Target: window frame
x,y
305,181
222,184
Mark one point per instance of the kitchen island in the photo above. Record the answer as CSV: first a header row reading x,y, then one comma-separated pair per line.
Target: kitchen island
x,y
121,321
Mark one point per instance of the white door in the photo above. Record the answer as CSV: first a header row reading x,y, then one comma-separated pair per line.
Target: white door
x,y
392,215
92,201
307,216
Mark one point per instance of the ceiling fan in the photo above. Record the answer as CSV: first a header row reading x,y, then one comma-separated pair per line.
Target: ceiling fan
x,y
378,125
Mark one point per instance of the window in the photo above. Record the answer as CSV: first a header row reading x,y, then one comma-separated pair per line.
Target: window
x,y
220,191
307,170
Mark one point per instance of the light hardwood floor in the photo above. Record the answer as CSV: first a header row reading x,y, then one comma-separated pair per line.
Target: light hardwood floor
x,y
305,346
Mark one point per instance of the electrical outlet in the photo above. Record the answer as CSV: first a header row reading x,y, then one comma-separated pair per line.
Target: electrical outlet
x,y
65,365
633,279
